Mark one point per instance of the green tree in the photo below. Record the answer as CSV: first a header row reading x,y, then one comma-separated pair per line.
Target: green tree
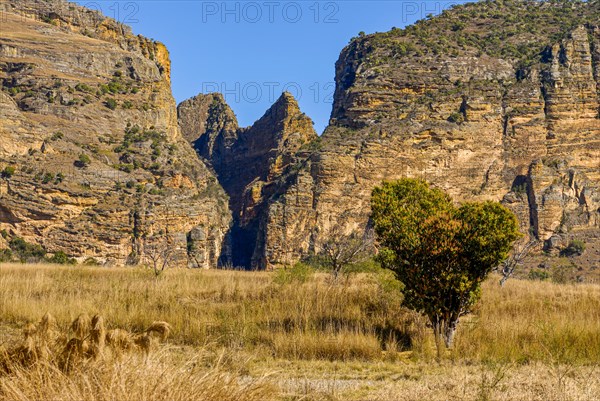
x,y
441,253
83,160
8,172
111,104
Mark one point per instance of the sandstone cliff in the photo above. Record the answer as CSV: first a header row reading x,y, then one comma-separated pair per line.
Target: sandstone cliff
x,y
248,161
480,122
89,126
491,100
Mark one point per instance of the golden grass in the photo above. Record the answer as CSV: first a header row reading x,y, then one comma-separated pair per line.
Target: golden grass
x,y
236,309
317,341
402,381
359,319
164,375
528,321
76,365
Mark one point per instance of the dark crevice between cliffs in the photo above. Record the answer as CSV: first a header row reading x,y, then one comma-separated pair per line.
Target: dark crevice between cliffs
x,y
544,82
239,247
242,235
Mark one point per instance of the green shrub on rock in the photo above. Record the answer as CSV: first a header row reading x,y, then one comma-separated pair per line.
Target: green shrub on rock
x,y
61,258
8,171
575,248
25,251
111,104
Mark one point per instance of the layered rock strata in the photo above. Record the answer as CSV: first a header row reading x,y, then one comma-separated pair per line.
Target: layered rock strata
x,y
89,130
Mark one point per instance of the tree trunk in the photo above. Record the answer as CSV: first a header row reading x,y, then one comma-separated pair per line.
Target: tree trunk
x,y
443,331
437,334
336,271
449,330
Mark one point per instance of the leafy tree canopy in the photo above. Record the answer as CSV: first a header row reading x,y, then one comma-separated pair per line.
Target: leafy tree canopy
x,y
440,252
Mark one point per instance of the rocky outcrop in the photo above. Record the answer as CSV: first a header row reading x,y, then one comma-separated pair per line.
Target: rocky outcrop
x,y
554,200
210,125
492,100
89,125
248,161
441,102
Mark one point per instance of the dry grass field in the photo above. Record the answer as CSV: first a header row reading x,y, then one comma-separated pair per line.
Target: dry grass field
x,y
293,336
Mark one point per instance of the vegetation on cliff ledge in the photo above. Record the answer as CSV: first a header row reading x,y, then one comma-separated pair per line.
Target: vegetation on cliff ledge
x,y
515,30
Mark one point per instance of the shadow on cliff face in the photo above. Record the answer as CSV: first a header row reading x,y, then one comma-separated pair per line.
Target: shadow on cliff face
x,y
239,249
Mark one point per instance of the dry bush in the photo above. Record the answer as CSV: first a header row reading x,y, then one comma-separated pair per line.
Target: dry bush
x,y
120,340
162,329
81,326
97,335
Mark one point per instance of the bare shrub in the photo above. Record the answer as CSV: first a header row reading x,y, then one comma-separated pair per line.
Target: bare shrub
x,y
119,340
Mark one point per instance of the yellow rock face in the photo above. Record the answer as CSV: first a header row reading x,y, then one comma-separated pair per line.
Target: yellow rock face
x,y
465,123
78,86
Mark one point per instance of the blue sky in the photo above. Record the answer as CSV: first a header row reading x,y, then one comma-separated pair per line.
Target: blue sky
x,y
252,50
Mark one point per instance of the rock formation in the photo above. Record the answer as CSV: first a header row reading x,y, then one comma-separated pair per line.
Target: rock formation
x,y
491,100
97,166
248,161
